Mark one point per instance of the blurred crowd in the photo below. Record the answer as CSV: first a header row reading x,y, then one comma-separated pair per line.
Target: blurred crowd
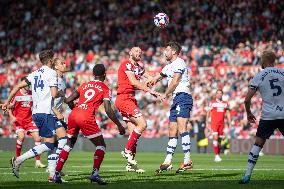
x,y
221,41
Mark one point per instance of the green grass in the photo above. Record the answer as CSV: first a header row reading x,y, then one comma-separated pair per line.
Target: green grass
x,y
269,172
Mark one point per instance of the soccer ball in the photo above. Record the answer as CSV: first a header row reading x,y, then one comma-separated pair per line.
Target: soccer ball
x,y
161,20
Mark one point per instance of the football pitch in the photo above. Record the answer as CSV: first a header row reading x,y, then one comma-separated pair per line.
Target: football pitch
x,y
269,172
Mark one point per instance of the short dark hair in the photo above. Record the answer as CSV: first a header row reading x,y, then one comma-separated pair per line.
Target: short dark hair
x,y
99,70
219,90
45,56
268,56
174,46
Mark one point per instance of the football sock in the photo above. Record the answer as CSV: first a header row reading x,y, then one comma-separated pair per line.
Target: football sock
x,y
132,140
38,156
52,159
98,157
172,144
252,159
18,148
37,150
185,143
63,156
61,143
215,147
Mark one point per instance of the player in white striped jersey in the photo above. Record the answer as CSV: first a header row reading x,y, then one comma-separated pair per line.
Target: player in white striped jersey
x,y
43,83
177,75
60,126
270,84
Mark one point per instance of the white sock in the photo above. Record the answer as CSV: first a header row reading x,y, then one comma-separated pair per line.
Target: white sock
x,y
52,160
37,150
185,143
172,144
252,159
61,143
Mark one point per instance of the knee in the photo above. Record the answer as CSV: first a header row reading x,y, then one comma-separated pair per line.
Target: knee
x,y
143,125
259,141
21,137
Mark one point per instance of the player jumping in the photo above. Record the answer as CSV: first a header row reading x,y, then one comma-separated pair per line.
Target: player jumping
x,y
129,75
177,75
217,110
43,82
21,117
270,84
91,95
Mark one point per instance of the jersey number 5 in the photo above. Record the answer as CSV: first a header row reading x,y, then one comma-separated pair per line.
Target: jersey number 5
x,y
277,87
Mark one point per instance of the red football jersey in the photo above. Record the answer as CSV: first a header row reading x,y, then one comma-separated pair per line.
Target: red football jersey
x,y
124,85
92,94
22,109
218,111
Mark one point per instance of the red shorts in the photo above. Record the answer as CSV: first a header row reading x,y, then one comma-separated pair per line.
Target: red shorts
x,y
217,129
127,105
28,127
85,122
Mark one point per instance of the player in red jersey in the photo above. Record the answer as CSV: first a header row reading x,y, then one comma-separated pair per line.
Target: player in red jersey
x,y
91,95
217,110
21,118
129,75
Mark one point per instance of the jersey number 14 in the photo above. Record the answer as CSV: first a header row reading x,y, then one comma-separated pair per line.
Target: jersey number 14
x,y
38,83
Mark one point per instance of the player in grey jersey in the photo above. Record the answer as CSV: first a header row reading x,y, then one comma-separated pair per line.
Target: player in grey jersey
x,y
270,84
60,125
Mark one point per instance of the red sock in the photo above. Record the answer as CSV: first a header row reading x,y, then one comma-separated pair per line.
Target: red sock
x,y
38,156
99,157
63,156
219,149
132,141
18,148
215,147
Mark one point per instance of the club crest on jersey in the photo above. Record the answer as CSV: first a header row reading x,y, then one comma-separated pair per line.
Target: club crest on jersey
x,y
128,66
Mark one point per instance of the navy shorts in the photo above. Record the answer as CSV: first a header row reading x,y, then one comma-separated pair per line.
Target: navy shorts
x,y
267,127
45,124
59,123
181,107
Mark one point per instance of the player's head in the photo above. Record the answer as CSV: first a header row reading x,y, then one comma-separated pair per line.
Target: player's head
x,y
27,88
267,59
59,65
99,72
135,54
219,94
46,57
172,50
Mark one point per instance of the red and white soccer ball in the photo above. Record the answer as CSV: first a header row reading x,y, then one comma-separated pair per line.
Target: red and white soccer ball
x,y
161,20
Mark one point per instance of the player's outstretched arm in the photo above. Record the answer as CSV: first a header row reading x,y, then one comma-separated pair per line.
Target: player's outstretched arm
x,y
110,113
251,118
155,80
174,83
20,85
70,100
141,86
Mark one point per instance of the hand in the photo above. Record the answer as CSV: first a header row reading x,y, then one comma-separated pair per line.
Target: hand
x,y
155,94
150,83
60,117
251,118
4,106
121,130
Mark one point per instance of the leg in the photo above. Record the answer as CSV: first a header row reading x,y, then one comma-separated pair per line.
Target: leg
x,y
98,159
131,128
140,126
172,144
20,140
264,131
182,127
185,139
37,150
216,147
37,140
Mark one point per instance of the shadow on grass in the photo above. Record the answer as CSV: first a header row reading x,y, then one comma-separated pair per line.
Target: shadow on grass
x,y
138,183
